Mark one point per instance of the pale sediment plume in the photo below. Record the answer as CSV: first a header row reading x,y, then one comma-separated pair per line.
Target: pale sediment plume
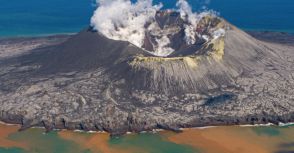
x,y
231,140
5,131
96,142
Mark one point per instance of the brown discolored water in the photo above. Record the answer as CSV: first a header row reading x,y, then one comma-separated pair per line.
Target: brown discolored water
x,y
231,139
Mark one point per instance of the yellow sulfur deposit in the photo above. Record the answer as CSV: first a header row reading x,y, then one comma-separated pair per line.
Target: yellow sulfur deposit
x,y
216,52
218,49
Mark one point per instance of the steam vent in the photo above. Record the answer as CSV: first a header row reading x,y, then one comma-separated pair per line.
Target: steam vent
x,y
175,71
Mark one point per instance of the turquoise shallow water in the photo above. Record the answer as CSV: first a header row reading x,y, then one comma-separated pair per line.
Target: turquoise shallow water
x,y
35,17
38,142
270,139
151,143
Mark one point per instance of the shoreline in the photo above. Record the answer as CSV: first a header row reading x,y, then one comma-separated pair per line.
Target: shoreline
x,y
37,35
153,131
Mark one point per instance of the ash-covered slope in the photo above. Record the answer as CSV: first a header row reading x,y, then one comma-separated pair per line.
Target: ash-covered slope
x,y
91,82
85,51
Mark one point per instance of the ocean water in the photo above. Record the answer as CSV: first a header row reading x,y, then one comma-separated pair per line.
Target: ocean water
x,y
265,15
37,17
235,139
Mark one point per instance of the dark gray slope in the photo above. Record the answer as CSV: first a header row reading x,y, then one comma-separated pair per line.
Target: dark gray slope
x,y
89,83
275,37
15,46
85,51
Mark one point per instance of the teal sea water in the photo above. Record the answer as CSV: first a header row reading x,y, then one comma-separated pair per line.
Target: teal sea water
x,y
269,139
37,17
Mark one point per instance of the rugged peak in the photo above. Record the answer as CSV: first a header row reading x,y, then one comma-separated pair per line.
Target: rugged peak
x,y
170,32
159,32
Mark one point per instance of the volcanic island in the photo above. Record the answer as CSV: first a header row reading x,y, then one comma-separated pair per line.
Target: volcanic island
x,y
90,82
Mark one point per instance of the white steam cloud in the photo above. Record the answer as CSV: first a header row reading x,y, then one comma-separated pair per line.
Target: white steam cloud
x,y
193,18
162,47
124,20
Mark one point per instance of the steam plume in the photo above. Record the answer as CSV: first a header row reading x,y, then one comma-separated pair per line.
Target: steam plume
x,y
127,21
193,18
122,20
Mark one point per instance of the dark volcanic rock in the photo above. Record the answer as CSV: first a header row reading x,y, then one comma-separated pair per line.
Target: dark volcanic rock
x,y
90,82
275,37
